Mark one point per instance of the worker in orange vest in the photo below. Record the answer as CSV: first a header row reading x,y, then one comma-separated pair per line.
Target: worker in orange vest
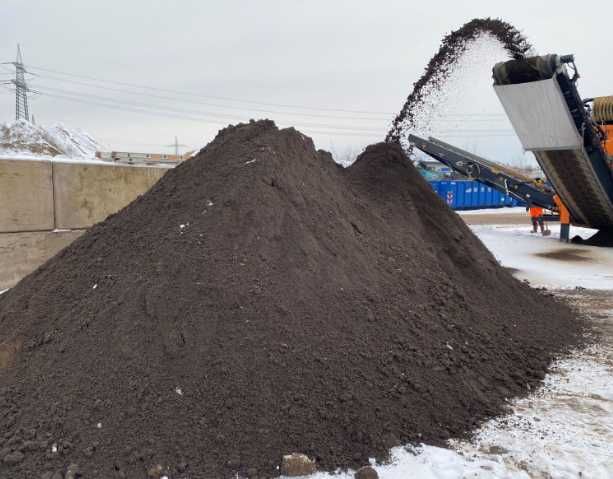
x,y
536,216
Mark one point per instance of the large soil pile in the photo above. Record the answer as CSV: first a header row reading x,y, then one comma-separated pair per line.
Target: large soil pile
x,y
261,300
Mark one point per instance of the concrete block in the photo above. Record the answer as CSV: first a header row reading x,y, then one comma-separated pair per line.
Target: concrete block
x,y
26,196
22,253
87,194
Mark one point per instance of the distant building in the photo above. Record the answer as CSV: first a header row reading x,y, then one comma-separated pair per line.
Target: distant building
x,y
133,158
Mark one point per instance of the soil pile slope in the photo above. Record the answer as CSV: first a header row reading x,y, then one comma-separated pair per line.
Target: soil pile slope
x,y
261,300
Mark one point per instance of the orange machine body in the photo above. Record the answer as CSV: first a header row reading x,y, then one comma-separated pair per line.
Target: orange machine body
x,y
608,142
562,211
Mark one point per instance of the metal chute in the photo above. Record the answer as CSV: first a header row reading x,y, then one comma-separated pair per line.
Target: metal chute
x,y
541,99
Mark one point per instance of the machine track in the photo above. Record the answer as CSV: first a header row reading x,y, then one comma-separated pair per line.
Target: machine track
x,y
572,175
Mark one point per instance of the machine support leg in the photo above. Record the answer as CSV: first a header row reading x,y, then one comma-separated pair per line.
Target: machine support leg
x,y
564,232
564,219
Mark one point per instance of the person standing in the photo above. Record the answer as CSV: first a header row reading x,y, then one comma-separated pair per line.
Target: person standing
x,y
536,216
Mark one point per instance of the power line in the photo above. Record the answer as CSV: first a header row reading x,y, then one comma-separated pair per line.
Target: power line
x,y
452,118
226,117
232,108
222,118
222,98
187,117
206,103
240,100
50,91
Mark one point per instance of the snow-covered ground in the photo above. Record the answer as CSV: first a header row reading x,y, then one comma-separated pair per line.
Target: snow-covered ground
x,y
563,430
544,261
509,210
21,140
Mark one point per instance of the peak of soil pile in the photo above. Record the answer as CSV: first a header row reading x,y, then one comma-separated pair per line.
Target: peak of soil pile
x,y
261,300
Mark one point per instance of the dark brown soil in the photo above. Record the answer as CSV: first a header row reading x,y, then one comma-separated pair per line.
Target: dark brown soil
x,y
441,65
261,300
566,254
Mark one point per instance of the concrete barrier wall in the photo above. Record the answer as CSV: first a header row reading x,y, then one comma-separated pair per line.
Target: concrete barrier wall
x,y
37,198
22,253
87,194
26,196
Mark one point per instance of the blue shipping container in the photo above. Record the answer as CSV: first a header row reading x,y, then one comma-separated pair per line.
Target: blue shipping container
x,y
472,195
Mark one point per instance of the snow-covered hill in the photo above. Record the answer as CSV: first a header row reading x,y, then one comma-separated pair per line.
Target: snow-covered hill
x,y
23,139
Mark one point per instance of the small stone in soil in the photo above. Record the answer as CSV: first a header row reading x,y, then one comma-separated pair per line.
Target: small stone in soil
x,y
366,472
297,465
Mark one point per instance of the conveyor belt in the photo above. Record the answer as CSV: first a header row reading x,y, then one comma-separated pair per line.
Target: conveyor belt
x,y
500,177
551,120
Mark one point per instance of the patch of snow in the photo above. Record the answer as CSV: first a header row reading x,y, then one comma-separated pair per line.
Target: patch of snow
x,y
22,136
514,210
73,143
23,139
179,391
250,161
95,286
515,247
564,430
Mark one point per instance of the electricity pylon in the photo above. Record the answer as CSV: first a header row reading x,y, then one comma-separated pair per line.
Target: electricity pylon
x,y
22,110
176,146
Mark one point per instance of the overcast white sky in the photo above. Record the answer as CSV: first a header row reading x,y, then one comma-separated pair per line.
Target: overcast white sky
x,y
321,54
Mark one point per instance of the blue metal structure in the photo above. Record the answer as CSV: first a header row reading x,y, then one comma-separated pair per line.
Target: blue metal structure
x,y
471,195
508,182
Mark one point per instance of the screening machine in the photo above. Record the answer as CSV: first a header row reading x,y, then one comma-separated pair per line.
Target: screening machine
x,y
571,137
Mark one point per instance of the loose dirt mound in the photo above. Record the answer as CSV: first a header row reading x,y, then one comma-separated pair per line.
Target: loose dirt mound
x,y
261,300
